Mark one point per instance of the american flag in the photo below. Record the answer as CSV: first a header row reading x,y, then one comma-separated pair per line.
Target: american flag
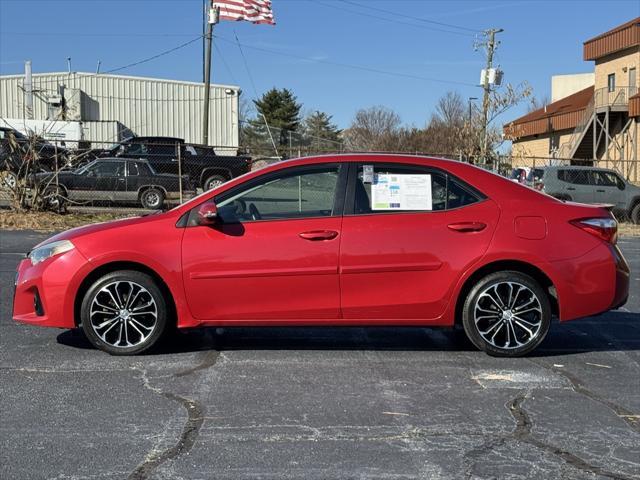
x,y
254,11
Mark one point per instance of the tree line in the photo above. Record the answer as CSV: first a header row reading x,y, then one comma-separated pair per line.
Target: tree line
x,y
455,128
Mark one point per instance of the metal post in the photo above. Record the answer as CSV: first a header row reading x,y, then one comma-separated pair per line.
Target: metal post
x,y
28,90
179,151
213,19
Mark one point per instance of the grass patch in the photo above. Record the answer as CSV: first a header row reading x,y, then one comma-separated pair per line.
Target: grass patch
x,y
52,222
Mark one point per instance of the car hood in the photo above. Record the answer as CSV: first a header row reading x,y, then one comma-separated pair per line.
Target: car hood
x,y
101,227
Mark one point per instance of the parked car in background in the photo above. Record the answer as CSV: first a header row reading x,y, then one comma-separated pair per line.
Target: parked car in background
x,y
592,185
17,151
335,240
113,180
519,174
206,169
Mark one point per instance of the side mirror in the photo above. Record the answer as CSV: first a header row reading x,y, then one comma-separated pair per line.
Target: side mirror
x,y
207,213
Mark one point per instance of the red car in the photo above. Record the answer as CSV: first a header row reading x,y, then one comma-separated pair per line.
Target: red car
x,y
335,240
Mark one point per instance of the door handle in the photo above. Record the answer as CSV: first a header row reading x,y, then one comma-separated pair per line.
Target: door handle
x,y
317,235
121,179
464,227
570,188
600,191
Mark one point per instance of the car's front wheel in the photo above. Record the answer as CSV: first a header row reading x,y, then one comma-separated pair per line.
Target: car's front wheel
x,y
152,198
506,314
124,313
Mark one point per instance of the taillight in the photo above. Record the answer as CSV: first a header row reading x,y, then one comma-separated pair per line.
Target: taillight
x,y
605,229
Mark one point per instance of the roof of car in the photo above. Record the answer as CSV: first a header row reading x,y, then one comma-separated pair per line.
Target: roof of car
x,y
576,167
120,159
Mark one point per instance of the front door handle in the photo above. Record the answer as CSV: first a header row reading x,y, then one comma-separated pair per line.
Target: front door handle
x,y
464,227
317,235
600,191
570,188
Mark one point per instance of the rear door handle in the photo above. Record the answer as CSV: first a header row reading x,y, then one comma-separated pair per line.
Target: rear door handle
x,y
570,188
600,191
467,226
317,235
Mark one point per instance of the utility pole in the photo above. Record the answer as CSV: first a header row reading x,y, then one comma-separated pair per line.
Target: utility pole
x,y
471,99
491,46
213,19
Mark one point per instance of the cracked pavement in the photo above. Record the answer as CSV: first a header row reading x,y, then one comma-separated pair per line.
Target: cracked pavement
x,y
320,403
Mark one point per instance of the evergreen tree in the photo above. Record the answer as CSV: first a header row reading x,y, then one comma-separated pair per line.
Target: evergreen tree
x,y
320,133
282,113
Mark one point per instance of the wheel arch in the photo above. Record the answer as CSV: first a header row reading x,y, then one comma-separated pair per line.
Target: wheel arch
x,y
144,188
502,265
110,267
208,171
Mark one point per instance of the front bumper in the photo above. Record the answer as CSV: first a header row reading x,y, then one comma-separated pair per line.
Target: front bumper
x,y
45,293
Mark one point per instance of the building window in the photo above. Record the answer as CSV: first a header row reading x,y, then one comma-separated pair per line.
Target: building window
x,y
611,82
632,79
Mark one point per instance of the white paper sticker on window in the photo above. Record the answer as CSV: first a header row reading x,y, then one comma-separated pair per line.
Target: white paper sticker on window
x,y
390,191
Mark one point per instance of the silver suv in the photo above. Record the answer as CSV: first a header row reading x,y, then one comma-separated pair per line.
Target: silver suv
x,y
591,185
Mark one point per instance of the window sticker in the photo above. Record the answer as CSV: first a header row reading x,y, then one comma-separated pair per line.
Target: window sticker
x,y
401,192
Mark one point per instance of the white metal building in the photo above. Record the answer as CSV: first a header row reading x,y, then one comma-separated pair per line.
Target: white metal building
x,y
111,107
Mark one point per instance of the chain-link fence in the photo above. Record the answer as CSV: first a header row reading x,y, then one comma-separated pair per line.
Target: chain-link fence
x,y
144,174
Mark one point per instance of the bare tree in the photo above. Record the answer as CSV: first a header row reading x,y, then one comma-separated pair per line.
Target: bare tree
x,y
375,129
450,109
536,103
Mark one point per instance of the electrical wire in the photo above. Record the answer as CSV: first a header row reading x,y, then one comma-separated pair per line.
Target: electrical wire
x,y
418,19
391,20
347,65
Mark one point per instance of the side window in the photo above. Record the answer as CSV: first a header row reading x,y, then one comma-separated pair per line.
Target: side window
x,y
605,179
165,151
108,169
445,192
136,149
143,169
133,169
577,177
288,196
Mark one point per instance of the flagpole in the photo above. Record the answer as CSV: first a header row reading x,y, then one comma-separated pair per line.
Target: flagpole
x,y
213,19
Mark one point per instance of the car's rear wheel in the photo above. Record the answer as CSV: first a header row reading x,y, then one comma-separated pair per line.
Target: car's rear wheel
x,y
213,181
124,313
8,180
635,214
152,198
506,314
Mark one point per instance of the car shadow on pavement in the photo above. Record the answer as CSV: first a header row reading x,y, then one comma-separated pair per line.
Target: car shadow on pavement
x,y
613,331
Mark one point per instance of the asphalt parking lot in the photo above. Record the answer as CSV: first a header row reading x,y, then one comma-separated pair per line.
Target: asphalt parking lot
x,y
320,403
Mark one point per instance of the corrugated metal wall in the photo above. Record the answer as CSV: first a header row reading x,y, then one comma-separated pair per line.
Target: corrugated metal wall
x,y
146,106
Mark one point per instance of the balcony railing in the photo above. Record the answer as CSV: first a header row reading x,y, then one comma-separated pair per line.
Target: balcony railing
x,y
618,96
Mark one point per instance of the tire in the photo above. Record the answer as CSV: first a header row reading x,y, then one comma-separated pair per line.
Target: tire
x,y
635,214
124,313
152,198
491,319
212,182
8,180
53,197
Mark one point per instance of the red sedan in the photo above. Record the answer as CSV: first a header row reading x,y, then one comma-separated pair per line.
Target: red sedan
x,y
335,240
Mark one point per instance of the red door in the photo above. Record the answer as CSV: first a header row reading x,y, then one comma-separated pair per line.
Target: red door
x,y
275,257
403,265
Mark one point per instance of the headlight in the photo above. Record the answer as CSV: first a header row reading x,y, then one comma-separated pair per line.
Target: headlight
x,y
49,250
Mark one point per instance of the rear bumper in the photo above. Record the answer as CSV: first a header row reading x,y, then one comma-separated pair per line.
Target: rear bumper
x,y
592,284
623,274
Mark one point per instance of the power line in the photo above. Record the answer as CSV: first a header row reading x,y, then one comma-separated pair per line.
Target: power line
x,y
347,65
391,20
93,34
161,54
419,19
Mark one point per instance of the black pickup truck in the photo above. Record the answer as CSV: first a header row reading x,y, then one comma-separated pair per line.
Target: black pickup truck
x,y
205,168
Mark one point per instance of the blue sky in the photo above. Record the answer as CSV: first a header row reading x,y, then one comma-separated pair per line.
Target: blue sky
x,y
541,38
